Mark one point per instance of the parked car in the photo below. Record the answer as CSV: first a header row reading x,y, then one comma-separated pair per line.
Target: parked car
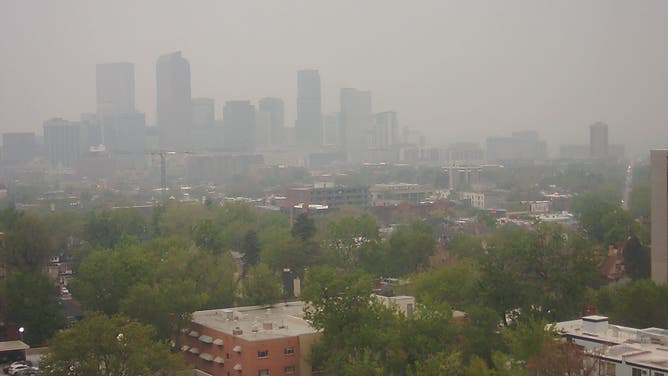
x,y
32,371
17,363
19,367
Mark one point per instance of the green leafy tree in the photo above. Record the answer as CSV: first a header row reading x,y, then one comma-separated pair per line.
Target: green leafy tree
x,y
443,364
261,286
207,236
8,217
105,277
251,249
353,323
590,208
455,285
32,302
107,228
639,200
526,339
637,259
109,346
409,249
639,304
27,246
304,227
344,238
543,271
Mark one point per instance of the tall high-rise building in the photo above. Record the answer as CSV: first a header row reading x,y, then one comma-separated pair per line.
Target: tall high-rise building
x,y
598,140
276,110
62,142
115,84
125,133
308,127
203,112
659,214
385,130
356,119
330,129
239,126
173,101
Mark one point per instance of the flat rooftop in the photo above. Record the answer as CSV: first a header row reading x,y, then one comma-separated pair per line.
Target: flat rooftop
x,y
643,347
258,323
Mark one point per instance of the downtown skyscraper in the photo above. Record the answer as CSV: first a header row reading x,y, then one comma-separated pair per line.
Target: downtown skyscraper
x,y
355,119
308,127
123,128
174,102
115,89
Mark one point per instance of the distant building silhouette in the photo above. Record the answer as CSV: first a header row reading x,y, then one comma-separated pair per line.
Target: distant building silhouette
x,y
18,148
308,127
385,130
598,140
659,215
115,84
356,119
173,101
239,126
331,129
275,108
203,110
62,142
521,146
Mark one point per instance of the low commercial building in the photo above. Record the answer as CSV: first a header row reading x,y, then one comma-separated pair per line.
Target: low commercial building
x,y
250,341
619,350
334,196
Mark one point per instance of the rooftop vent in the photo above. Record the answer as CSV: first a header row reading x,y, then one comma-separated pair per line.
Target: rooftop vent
x,y
237,331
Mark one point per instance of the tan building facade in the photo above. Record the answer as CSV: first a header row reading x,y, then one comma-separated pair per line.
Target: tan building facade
x,y
659,214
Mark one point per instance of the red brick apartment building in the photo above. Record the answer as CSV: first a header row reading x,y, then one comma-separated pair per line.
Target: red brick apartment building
x,y
250,341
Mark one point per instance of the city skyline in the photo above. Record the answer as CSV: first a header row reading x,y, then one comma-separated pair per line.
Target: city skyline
x,y
464,72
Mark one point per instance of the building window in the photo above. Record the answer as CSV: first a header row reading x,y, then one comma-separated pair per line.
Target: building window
x,y
638,372
289,370
289,350
263,354
263,372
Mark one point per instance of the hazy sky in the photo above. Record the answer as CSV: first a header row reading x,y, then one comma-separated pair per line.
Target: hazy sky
x,y
457,70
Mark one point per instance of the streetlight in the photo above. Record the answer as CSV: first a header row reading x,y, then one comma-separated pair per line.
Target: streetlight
x,y
21,330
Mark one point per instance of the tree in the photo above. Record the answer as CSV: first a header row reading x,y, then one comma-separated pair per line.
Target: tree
x,y
32,303
109,346
443,364
590,208
353,323
543,271
250,247
628,304
106,228
304,227
27,245
344,238
207,236
639,200
105,277
409,248
8,217
637,259
526,338
562,358
454,285
261,286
